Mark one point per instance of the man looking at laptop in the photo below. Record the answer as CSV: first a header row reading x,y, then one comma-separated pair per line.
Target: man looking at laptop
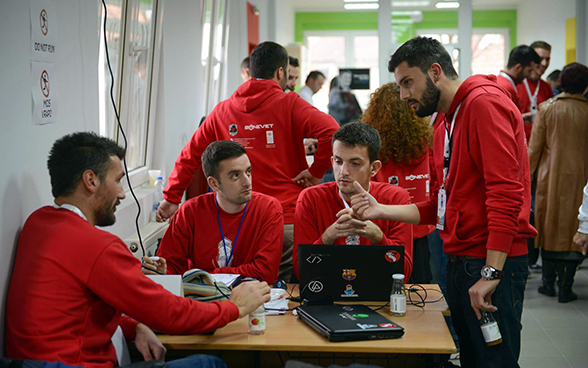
x,y
322,213
233,230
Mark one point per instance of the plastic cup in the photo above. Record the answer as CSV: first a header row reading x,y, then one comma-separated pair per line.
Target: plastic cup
x,y
153,174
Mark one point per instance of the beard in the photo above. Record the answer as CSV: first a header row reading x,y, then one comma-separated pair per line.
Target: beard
x,y
288,88
429,101
105,214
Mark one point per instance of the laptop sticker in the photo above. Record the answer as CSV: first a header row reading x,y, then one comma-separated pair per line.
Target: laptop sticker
x,y
387,325
349,274
315,286
314,259
349,292
361,315
392,256
366,327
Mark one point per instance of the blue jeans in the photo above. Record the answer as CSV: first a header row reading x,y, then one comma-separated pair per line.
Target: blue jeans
x,y
197,361
508,298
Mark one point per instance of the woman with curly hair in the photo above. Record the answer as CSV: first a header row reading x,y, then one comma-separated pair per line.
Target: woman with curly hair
x,y
405,158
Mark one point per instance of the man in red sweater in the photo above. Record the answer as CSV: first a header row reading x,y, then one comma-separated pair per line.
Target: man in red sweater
x,y
323,215
71,281
270,124
481,200
233,230
521,62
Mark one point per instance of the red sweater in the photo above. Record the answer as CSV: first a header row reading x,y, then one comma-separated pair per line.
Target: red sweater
x,y
415,179
71,282
193,238
317,208
488,185
271,125
524,105
506,84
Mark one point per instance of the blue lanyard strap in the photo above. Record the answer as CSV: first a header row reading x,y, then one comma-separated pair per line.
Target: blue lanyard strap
x,y
228,260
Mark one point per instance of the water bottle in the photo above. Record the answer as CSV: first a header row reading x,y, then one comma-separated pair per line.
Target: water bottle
x,y
398,296
490,329
157,196
257,321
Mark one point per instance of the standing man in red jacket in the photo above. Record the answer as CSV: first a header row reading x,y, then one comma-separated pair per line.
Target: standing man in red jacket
x,y
271,125
481,200
522,60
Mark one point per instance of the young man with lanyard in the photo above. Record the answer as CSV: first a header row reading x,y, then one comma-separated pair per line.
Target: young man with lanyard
x,y
323,214
521,62
271,125
533,91
72,281
232,230
481,200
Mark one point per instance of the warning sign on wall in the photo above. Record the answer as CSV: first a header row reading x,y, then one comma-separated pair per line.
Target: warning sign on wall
x,y
43,30
43,92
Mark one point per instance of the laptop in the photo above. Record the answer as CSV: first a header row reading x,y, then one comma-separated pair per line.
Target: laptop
x,y
349,322
348,272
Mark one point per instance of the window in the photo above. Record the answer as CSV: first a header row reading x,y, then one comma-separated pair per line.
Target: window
x,y
130,31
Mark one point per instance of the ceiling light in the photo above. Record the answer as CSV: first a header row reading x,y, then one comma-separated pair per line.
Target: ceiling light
x,y
362,6
409,4
358,1
447,5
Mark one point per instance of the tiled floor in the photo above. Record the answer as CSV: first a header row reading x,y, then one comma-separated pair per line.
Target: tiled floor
x,y
555,335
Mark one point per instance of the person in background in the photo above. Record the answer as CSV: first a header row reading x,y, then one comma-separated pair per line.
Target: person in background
x,y
405,162
554,82
271,125
231,230
323,214
245,72
293,73
343,105
522,60
72,282
314,82
581,237
558,154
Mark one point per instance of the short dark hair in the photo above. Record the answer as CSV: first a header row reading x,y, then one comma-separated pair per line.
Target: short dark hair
x,y
245,63
523,55
360,134
266,58
75,153
293,61
423,52
541,45
314,75
219,151
554,75
574,78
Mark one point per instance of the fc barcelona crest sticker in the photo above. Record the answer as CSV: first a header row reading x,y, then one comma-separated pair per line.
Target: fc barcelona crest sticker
x,y
349,274
393,180
233,129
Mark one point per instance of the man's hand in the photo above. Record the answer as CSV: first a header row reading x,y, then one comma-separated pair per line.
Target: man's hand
x,y
581,242
165,210
481,293
365,205
528,118
151,267
148,344
249,295
310,145
305,179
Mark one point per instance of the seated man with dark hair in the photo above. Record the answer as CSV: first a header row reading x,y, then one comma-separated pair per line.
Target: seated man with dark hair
x,y
233,230
72,282
322,212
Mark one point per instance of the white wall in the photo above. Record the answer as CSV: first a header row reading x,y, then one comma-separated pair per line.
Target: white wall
x,y
25,186
545,20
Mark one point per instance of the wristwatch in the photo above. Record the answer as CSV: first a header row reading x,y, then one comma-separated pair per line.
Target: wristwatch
x,y
490,273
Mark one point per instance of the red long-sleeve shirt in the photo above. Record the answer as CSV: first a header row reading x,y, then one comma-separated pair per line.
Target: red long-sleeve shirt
x,y
271,125
488,184
193,238
318,206
71,282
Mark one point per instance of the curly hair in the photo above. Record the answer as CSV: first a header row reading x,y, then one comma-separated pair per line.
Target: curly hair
x,y
404,135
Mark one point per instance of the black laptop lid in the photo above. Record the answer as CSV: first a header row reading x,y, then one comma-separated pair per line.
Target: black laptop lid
x,y
348,272
349,322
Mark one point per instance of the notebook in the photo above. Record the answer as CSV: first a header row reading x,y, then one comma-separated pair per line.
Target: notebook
x,y
349,322
348,272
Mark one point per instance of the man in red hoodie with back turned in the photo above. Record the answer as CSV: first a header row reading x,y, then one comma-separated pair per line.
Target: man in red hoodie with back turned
x,y
270,124
481,200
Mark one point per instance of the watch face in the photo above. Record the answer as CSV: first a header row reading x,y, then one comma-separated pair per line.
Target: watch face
x,y
487,272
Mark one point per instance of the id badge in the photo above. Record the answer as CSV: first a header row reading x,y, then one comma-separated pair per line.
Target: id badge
x,y
441,207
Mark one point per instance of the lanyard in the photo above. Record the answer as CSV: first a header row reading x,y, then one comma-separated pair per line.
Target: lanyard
x,y
505,75
533,97
433,118
448,146
72,208
228,260
345,202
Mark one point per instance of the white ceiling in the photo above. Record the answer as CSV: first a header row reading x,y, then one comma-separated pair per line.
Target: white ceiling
x,y
337,5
